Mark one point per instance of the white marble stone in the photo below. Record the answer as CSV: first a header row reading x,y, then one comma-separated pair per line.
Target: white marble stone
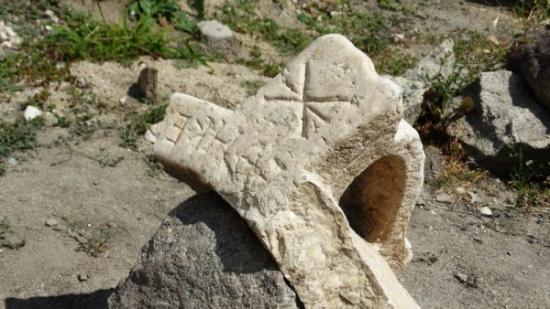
x,y
320,165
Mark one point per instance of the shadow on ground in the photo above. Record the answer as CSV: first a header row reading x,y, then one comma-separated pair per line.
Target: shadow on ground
x,y
94,300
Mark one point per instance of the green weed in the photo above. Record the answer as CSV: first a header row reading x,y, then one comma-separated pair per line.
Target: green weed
x,y
256,62
137,124
252,86
531,181
369,32
534,10
391,5
168,10
18,136
87,39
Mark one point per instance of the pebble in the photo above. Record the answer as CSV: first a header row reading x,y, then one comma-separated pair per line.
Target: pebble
x,y
213,29
52,16
486,211
445,198
12,161
8,38
82,277
461,277
150,137
31,112
51,222
474,198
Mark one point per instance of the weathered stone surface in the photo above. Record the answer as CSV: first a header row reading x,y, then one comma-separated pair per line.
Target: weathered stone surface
x,y
413,96
506,119
529,57
219,37
204,253
414,82
320,165
147,83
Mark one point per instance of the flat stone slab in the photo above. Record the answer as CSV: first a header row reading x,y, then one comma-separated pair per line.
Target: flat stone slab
x,y
320,165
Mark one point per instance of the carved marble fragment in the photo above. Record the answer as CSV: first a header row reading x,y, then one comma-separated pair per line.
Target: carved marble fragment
x,y
320,165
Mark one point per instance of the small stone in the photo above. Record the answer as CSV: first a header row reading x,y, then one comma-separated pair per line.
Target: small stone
x,y
49,119
460,190
218,36
150,137
31,112
82,277
52,16
81,82
443,197
461,277
398,37
147,83
51,222
474,198
485,211
12,161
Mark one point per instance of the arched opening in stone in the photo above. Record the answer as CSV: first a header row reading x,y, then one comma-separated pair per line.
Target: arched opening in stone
x,y
372,200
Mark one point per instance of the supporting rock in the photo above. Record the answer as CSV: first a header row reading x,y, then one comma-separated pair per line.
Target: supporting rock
x,y
204,253
529,57
320,165
506,120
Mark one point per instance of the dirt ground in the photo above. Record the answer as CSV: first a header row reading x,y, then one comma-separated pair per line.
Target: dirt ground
x,y
84,208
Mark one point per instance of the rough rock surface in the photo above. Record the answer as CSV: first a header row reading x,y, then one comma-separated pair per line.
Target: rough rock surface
x,y
147,83
219,37
320,165
506,118
529,57
440,61
204,255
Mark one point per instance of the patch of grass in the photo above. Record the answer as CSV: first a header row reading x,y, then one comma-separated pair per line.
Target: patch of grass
x,y
87,39
18,136
252,86
137,124
478,53
457,172
256,62
165,12
154,167
84,127
533,10
531,182
369,32
96,241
